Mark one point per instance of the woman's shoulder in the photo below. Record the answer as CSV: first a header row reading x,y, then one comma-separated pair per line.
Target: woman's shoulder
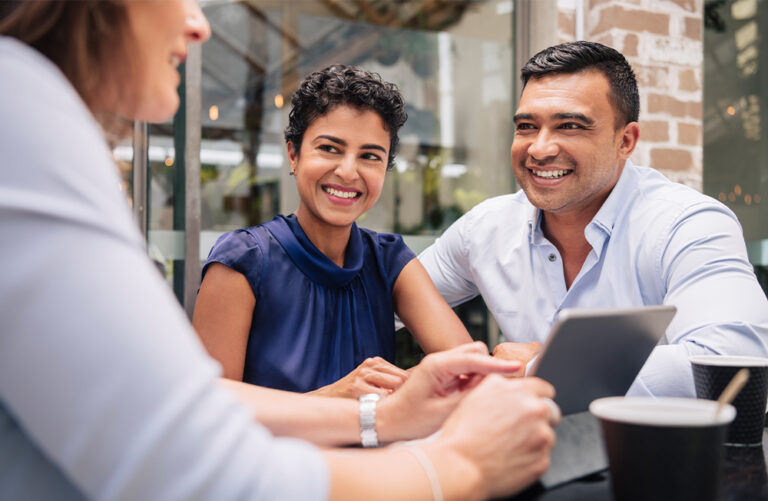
x,y
387,250
383,240
244,238
41,94
241,246
245,250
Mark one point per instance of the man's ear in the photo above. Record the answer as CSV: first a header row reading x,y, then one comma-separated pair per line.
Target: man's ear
x,y
630,134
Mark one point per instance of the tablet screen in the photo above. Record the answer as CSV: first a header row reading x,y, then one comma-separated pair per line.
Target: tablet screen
x,y
598,353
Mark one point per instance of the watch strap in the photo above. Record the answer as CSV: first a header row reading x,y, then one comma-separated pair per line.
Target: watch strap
x,y
368,435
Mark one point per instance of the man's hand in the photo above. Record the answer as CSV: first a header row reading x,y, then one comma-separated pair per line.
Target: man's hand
x,y
374,375
433,390
521,352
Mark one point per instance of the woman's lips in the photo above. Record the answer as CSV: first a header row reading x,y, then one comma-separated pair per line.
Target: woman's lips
x,y
177,58
340,195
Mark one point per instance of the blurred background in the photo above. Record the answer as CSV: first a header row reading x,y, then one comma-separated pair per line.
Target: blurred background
x,y
221,164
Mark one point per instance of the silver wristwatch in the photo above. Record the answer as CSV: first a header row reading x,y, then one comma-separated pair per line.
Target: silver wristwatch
x,y
368,435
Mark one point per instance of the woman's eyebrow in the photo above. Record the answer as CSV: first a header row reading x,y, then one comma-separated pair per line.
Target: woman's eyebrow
x,y
333,139
373,147
340,141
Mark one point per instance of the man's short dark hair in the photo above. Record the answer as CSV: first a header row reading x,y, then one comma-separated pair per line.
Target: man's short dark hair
x,y
573,57
339,85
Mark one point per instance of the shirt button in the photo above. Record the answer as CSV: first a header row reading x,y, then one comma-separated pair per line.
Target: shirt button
x,y
552,258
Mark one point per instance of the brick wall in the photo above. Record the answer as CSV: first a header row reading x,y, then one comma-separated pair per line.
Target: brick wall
x,y
662,39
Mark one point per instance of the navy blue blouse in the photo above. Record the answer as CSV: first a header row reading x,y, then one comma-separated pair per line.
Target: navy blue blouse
x,y
314,322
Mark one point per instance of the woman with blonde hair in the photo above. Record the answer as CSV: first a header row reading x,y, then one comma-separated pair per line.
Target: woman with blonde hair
x,y
105,391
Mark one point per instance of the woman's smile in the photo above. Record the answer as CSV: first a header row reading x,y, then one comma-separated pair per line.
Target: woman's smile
x,y
340,195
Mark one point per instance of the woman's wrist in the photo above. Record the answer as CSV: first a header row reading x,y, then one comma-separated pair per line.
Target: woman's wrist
x,y
390,423
458,476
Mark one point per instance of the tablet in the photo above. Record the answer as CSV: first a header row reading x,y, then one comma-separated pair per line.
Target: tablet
x,y
592,354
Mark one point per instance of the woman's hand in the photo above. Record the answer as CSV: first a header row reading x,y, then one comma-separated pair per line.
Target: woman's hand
x,y
503,429
374,375
434,389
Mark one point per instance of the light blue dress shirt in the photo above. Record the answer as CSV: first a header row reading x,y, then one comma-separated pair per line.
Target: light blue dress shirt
x,y
653,242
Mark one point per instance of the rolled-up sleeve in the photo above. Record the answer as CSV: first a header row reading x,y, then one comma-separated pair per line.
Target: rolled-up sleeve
x,y
721,309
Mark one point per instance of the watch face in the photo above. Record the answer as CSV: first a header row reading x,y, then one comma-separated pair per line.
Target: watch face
x,y
370,397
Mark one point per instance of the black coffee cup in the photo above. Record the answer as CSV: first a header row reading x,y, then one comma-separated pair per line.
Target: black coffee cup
x,y
711,374
664,448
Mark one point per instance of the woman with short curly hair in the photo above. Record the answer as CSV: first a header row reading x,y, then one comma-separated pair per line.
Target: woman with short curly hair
x,y
306,302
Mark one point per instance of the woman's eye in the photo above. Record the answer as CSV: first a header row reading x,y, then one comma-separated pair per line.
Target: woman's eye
x,y
328,148
371,156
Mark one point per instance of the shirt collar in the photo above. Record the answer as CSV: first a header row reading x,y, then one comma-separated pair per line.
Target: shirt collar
x,y
535,236
604,219
609,212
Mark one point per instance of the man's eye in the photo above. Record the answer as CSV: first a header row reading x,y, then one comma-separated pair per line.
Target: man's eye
x,y
525,126
571,126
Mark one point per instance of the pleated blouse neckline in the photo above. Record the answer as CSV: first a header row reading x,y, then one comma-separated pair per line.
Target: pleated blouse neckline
x,y
310,260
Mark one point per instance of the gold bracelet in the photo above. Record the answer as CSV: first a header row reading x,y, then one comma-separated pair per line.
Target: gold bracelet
x,y
426,464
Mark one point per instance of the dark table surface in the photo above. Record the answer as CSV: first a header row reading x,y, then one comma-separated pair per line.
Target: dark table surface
x,y
745,478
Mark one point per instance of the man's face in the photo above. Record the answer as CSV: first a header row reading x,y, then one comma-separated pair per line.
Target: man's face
x,y
567,153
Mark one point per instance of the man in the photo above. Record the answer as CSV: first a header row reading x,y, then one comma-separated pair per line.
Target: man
x,y
590,229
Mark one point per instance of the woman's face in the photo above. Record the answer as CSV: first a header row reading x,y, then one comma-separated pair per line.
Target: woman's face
x,y
340,168
162,30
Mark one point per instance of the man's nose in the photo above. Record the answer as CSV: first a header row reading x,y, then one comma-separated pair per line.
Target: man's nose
x,y
544,146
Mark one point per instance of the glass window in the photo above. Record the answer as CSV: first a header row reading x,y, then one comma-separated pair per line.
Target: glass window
x,y
158,199
451,60
736,117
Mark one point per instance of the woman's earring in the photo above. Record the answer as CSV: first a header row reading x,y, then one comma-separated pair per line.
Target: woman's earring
x,y
293,173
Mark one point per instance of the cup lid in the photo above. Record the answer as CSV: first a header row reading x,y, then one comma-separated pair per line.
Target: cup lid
x,y
662,411
728,360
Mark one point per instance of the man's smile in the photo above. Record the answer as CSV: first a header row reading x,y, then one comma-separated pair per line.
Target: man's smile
x,y
550,174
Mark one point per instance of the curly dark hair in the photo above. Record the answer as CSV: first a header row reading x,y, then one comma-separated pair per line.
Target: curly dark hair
x,y
337,85
573,57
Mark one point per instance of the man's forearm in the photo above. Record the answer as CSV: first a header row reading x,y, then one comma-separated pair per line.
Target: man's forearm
x,y
667,372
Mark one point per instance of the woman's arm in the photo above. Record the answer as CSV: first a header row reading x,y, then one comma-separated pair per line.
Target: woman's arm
x,y
417,409
222,317
321,420
495,443
424,312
